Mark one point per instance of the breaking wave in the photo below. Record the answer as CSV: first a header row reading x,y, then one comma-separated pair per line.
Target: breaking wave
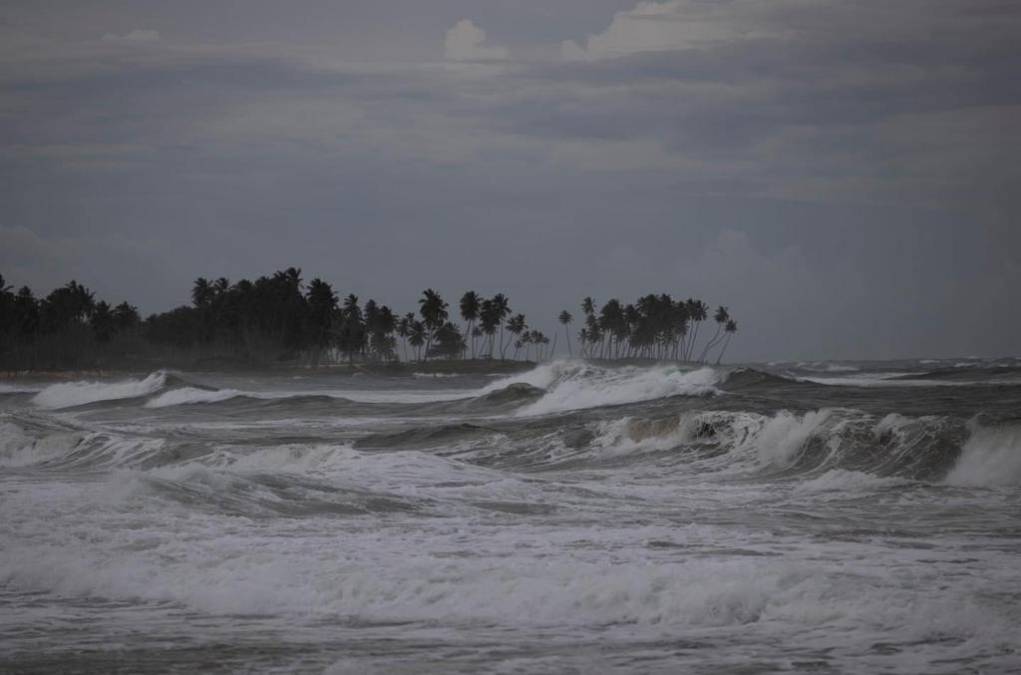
x,y
74,394
573,385
990,457
189,395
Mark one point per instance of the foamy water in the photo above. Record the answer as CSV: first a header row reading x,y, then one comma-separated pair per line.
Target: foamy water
x,y
572,518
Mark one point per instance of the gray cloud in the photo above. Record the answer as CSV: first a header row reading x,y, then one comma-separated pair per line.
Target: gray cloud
x,y
840,174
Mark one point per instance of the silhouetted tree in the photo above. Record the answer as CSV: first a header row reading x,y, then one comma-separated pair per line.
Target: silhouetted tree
x,y
470,306
102,322
565,318
322,309
433,309
729,329
448,342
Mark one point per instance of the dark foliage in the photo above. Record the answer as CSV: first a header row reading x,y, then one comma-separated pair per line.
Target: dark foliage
x,y
280,318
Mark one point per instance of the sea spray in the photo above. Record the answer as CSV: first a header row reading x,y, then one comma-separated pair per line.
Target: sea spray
x,y
72,394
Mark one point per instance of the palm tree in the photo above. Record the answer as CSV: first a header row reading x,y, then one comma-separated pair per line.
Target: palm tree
x,y
221,285
322,304
416,337
502,308
489,319
721,317
470,302
201,292
403,329
730,329
588,306
351,339
516,325
102,322
434,313
697,312
126,317
565,318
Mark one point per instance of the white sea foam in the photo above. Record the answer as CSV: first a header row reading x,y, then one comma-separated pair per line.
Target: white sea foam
x,y
836,483
18,388
783,435
194,395
571,385
182,521
18,448
826,367
990,457
868,380
189,395
71,394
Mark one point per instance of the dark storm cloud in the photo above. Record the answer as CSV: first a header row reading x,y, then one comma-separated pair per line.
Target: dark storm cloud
x,y
838,173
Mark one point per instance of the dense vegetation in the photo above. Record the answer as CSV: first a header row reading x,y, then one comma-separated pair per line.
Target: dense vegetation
x,y
281,318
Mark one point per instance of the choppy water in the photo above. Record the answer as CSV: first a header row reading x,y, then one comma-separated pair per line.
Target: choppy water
x,y
575,518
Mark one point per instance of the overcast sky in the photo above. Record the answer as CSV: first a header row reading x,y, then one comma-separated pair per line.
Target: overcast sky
x,y
843,174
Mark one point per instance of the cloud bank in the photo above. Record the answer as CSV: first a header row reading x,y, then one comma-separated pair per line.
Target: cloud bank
x,y
840,174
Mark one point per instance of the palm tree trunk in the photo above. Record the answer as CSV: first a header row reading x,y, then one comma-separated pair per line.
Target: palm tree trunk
x,y
712,341
723,349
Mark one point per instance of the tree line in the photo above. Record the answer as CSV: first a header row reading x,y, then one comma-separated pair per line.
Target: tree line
x,y
279,317
66,329
653,327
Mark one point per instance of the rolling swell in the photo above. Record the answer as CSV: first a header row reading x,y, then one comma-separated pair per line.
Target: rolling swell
x,y
722,444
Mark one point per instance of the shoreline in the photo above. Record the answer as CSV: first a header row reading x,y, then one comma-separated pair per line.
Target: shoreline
x,y
396,369
393,369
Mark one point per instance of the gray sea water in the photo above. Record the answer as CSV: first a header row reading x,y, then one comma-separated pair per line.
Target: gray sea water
x,y
821,517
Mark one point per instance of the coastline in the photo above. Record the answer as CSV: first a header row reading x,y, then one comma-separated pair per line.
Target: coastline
x,y
395,369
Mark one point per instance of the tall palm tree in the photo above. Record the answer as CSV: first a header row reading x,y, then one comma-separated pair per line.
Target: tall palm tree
x,y
565,318
502,308
470,303
721,317
403,330
322,304
516,324
729,329
417,337
433,309
697,312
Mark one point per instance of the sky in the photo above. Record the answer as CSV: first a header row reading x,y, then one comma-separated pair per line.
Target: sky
x,y
841,174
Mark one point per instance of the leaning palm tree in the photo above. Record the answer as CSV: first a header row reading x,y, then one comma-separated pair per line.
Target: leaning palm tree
x,y
565,318
730,329
697,312
516,324
721,317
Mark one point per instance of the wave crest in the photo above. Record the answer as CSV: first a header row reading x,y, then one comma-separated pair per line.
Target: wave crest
x,y
574,385
74,394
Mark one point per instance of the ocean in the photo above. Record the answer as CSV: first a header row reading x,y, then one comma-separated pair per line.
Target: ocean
x,y
578,517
